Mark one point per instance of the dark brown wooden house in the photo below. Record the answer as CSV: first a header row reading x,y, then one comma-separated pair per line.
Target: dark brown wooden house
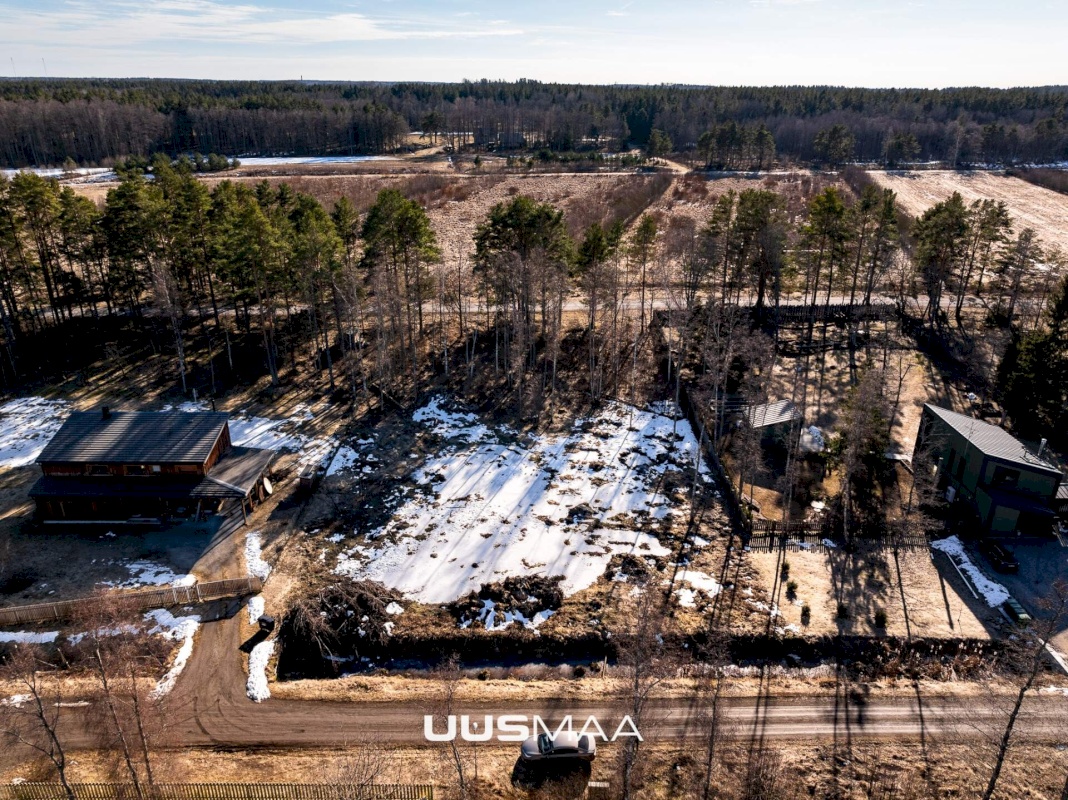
x,y
143,466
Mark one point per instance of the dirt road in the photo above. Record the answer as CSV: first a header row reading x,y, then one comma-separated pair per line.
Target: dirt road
x,y
209,708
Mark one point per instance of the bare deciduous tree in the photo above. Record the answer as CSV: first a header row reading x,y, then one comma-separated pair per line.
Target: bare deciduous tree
x,y
34,718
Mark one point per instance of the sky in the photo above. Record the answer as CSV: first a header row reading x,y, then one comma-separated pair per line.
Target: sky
x,y
877,43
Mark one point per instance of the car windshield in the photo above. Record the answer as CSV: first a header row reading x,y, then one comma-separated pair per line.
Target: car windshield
x,y
545,744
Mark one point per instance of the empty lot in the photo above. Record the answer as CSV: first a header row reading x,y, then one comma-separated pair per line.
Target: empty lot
x,y
1030,206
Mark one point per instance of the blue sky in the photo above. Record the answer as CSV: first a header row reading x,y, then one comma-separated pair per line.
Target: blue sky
x,y
849,42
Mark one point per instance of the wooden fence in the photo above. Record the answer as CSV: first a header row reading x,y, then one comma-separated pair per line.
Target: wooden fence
x,y
218,791
770,541
820,312
141,600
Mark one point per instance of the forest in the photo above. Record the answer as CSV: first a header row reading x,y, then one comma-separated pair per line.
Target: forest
x,y
243,280
96,122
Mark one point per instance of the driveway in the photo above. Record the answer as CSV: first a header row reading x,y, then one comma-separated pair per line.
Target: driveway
x,y
1041,563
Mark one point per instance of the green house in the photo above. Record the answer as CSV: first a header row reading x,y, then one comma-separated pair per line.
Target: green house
x,y
1010,488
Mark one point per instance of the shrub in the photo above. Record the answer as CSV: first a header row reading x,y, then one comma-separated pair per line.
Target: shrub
x,y
791,591
806,614
880,618
579,671
483,675
843,611
784,570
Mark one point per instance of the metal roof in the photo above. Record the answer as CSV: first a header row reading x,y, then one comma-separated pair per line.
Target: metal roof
x,y
236,473
991,440
235,476
135,437
768,414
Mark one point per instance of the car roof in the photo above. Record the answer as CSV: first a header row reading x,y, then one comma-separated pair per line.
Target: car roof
x,y
566,739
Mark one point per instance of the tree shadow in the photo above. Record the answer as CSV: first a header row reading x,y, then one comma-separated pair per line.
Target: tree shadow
x,y
557,779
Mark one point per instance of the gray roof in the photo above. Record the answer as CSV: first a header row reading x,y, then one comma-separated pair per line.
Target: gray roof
x,y
991,440
135,437
768,414
235,476
236,473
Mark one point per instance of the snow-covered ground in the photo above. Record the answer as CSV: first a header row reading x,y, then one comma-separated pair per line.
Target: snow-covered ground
x,y
991,591
59,172
147,573
27,424
181,629
256,608
274,434
257,688
281,161
257,567
29,637
698,581
280,434
491,504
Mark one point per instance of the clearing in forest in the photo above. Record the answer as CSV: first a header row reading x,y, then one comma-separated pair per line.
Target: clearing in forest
x,y
1030,206
492,503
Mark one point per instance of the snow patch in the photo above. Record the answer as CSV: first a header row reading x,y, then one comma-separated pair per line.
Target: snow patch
x,y
257,567
451,424
487,615
148,573
28,637
992,592
257,688
27,424
698,581
281,161
344,459
181,629
256,607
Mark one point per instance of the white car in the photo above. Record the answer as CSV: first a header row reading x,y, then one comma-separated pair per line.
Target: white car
x,y
565,745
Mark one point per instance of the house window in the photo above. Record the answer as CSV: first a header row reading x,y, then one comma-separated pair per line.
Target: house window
x,y
136,469
98,469
156,468
1005,478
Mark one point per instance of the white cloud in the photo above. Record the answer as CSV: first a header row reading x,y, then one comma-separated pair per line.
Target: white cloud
x,y
116,22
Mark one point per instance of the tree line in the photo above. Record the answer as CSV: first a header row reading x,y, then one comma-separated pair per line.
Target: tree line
x,y
96,121
366,295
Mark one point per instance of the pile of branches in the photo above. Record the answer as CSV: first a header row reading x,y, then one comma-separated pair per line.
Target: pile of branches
x,y
337,621
517,595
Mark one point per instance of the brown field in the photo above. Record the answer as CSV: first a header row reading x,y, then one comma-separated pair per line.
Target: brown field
x,y
1030,206
937,604
848,770
459,200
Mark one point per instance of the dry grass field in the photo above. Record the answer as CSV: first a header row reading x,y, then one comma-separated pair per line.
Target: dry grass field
x,y
848,770
1030,206
458,201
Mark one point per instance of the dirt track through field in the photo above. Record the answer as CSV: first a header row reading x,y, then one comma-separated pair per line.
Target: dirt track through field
x,y
1030,206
